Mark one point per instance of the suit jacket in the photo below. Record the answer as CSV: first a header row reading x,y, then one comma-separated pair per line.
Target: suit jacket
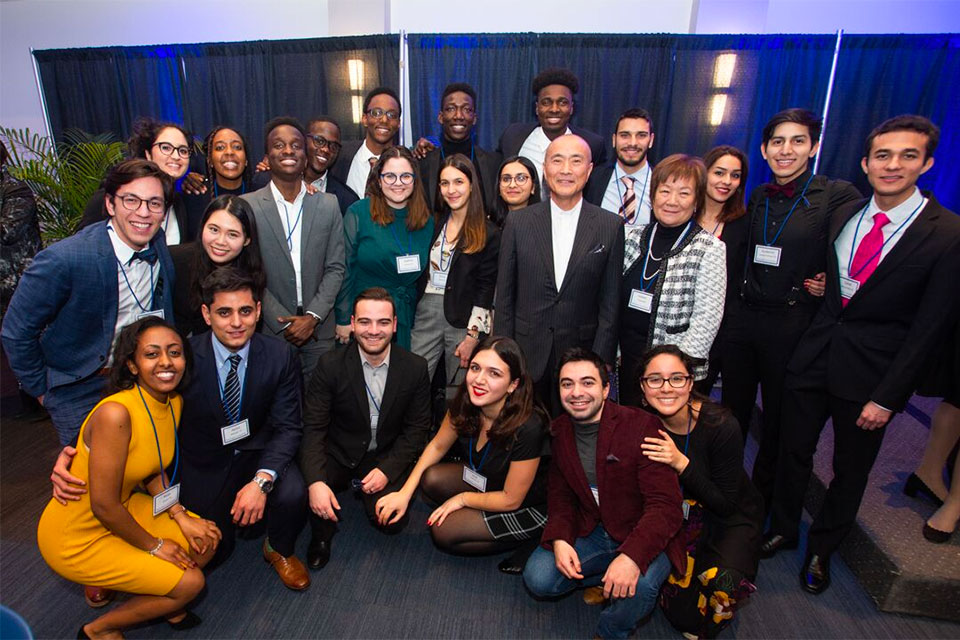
x,y
585,310
322,263
345,195
60,323
879,344
189,225
270,402
487,164
639,498
336,416
187,317
597,184
341,168
513,137
471,279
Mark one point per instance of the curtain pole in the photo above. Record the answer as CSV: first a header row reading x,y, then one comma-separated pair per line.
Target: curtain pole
x,y
43,100
826,101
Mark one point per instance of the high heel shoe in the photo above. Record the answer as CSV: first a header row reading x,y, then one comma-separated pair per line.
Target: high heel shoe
x,y
935,535
915,485
190,620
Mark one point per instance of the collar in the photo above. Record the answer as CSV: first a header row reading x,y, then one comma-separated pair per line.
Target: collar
x,y
366,152
540,130
618,171
321,182
366,363
555,209
900,212
120,248
221,353
278,197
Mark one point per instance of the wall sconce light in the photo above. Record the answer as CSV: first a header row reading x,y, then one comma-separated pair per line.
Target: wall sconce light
x,y
723,68
357,107
717,106
355,70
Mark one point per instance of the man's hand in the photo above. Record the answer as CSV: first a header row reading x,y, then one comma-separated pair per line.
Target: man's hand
x,y
248,507
873,416
464,350
263,165
423,147
322,501
343,333
300,329
194,183
620,580
66,486
566,559
374,481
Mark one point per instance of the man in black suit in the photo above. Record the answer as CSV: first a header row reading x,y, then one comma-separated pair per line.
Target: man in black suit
x,y
323,149
457,118
241,427
560,269
381,121
623,186
554,90
892,273
366,419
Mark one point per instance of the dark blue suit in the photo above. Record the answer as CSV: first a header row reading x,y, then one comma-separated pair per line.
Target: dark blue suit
x,y
59,327
213,473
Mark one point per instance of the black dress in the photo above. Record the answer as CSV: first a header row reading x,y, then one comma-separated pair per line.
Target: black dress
x,y
186,310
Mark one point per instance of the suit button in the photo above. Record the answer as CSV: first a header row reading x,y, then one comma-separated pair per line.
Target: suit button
x,y
102,358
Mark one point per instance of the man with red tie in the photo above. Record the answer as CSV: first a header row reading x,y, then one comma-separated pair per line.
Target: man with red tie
x,y
892,272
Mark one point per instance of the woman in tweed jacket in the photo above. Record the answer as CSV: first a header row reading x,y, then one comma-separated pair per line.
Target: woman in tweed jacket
x,y
674,275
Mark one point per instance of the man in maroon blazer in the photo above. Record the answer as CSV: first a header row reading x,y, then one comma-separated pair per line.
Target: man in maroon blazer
x,y
614,514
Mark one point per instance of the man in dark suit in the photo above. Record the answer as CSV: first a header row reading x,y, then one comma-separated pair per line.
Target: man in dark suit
x,y
323,149
892,274
615,515
623,186
241,427
78,293
381,122
553,91
458,119
561,262
366,419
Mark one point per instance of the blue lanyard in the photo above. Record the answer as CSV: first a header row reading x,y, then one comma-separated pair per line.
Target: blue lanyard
x,y
232,418
766,212
396,237
643,192
376,405
130,288
856,232
646,259
443,241
176,445
286,215
486,450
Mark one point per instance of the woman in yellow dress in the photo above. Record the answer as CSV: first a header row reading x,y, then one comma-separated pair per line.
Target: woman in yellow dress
x,y
114,536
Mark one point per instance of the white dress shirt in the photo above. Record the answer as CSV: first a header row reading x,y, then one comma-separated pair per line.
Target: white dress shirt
x,y
141,276
360,169
616,192
291,219
563,226
171,230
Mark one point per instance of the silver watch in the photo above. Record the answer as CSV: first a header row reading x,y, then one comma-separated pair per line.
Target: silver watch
x,y
265,484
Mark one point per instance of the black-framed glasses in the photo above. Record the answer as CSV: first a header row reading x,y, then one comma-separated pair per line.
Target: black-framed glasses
x,y
378,113
167,149
322,142
405,178
131,202
465,109
521,179
677,381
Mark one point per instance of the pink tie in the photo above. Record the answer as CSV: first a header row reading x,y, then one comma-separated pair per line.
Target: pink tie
x,y
867,257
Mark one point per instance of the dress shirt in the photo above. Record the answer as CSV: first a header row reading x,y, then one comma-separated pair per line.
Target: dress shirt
x,y
375,379
563,227
616,192
535,148
292,214
321,182
171,230
360,169
141,276
846,245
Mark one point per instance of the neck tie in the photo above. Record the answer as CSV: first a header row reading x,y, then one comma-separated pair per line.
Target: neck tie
x,y
867,257
628,208
147,255
231,390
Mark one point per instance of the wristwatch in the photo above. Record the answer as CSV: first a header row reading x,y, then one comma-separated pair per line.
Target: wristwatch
x,y
265,484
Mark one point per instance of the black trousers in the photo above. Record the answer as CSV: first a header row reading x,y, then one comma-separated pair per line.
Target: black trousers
x,y
807,405
546,389
757,345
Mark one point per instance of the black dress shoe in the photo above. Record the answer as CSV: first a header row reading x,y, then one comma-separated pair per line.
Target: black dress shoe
x,y
815,574
915,485
318,554
935,535
773,542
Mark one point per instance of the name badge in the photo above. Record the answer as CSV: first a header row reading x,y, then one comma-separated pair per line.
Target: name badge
x,y
166,499
848,287
146,314
236,431
476,480
685,506
769,256
596,494
409,263
439,279
641,300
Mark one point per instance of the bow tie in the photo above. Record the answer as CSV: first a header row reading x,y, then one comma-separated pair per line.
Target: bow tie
x,y
786,189
147,255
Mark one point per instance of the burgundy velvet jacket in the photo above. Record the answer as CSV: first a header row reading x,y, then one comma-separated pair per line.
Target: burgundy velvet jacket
x,y
639,498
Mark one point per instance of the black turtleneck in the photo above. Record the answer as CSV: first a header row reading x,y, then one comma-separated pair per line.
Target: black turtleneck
x,y
450,147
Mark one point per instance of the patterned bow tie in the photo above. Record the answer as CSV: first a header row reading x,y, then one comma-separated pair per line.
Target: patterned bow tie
x,y
147,255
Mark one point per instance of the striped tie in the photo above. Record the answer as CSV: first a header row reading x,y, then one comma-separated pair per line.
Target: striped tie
x,y
231,390
629,207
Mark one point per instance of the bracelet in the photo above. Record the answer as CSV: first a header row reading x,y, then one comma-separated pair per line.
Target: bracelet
x,y
172,514
156,549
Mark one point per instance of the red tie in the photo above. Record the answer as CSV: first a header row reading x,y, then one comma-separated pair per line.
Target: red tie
x,y
867,257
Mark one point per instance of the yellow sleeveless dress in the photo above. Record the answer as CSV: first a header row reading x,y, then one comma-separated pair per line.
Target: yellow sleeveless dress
x,y
76,544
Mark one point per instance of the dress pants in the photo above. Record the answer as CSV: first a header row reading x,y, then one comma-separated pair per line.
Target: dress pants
x,y
758,343
70,404
807,404
433,337
546,389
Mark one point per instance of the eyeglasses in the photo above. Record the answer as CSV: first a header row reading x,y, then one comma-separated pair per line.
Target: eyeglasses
x,y
378,113
391,178
521,179
322,142
132,202
677,381
451,110
167,149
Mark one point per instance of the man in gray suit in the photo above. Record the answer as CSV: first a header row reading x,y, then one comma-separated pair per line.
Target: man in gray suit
x,y
301,243
561,288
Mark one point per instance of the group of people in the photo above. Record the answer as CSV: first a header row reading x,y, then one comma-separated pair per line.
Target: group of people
x,y
278,327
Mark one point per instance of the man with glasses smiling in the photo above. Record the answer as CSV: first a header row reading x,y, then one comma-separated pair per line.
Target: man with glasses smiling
x,y
323,149
381,119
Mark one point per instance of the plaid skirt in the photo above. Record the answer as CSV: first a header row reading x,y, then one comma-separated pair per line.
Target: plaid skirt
x,y
521,524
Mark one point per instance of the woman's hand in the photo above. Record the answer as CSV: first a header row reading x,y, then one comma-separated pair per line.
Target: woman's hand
x,y
343,333
391,507
175,554
663,450
817,285
464,350
440,513
201,534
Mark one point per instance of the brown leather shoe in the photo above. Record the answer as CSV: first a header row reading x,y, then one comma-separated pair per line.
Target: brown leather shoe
x,y
291,571
593,595
98,597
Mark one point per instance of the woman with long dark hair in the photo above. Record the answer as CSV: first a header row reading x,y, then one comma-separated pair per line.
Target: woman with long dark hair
x,y
517,187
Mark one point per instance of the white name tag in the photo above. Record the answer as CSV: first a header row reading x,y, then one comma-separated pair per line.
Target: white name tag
x,y
641,300
236,431
596,495
685,506
848,287
769,256
146,314
166,499
439,279
409,263
476,480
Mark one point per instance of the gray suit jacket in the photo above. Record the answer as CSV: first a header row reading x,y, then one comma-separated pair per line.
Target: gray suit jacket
x,y
322,263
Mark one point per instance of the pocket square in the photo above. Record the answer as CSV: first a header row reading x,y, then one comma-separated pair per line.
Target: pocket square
x,y
612,458
598,249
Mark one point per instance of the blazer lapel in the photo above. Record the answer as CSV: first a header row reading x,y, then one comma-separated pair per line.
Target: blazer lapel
x,y
206,372
252,376
581,241
355,378
272,215
543,239
394,377
107,263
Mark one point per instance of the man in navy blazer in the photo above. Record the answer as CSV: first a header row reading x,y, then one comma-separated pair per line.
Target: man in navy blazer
x,y
78,293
